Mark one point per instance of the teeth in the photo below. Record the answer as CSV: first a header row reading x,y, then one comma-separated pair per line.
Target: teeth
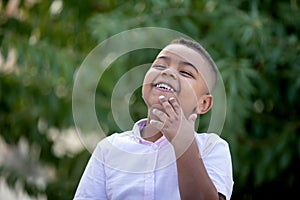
x,y
165,86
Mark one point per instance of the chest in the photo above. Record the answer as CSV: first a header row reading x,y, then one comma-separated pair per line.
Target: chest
x,y
149,185
147,174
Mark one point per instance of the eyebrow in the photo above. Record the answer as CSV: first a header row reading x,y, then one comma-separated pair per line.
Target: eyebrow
x,y
181,62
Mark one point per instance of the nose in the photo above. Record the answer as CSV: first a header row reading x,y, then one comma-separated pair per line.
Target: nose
x,y
169,72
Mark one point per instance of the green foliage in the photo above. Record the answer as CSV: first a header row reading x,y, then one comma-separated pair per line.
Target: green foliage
x,y
255,45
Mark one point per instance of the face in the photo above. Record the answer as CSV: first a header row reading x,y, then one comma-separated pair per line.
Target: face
x,y
178,71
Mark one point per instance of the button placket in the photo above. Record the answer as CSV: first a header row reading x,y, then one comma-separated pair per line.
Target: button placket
x,y
149,188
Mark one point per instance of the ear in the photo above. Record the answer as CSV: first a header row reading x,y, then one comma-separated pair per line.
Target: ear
x,y
205,103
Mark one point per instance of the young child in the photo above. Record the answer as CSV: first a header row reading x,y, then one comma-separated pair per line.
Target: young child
x,y
163,157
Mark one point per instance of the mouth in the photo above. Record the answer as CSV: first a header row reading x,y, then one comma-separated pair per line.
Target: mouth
x,y
164,87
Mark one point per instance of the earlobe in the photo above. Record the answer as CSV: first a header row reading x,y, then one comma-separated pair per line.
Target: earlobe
x,y
205,103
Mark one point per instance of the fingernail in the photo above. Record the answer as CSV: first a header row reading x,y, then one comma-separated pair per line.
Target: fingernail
x,y
162,98
194,117
172,99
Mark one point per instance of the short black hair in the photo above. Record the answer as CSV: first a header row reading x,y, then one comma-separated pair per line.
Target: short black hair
x,y
197,47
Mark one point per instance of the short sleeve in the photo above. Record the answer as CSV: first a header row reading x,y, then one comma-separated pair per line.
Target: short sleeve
x,y
92,183
217,161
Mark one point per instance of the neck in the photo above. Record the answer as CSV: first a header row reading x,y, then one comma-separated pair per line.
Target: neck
x,y
150,133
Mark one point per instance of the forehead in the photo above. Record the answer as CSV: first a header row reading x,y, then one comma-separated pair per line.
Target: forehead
x,y
184,53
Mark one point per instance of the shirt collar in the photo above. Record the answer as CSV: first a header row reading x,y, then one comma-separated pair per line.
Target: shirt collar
x,y
138,127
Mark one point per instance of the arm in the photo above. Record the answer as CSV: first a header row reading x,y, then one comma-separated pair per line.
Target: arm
x,y
194,182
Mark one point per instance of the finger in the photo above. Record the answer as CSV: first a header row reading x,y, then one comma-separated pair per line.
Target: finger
x,y
193,117
157,124
167,106
160,115
175,105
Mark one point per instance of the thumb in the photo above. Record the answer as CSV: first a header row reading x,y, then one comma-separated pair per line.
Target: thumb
x,y
193,117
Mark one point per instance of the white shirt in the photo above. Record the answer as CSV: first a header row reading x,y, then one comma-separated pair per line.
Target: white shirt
x,y
125,166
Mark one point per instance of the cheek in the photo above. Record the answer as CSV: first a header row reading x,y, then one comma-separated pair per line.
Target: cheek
x,y
190,89
146,87
148,78
189,95
145,94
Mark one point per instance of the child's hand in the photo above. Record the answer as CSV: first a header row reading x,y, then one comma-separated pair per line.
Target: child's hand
x,y
172,122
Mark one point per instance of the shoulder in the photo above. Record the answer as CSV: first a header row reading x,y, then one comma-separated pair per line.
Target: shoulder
x,y
116,138
211,142
124,142
113,140
216,157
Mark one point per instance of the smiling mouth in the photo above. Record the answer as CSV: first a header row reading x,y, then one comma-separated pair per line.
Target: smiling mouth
x,y
164,87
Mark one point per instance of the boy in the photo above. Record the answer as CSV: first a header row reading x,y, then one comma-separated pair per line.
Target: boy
x,y
162,157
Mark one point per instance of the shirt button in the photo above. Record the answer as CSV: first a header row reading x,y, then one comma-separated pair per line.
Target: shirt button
x,y
149,176
154,146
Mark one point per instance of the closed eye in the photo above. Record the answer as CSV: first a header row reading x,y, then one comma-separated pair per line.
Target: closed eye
x,y
158,66
186,73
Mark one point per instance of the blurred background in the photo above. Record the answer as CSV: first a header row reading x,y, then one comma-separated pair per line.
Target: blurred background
x,y
255,45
